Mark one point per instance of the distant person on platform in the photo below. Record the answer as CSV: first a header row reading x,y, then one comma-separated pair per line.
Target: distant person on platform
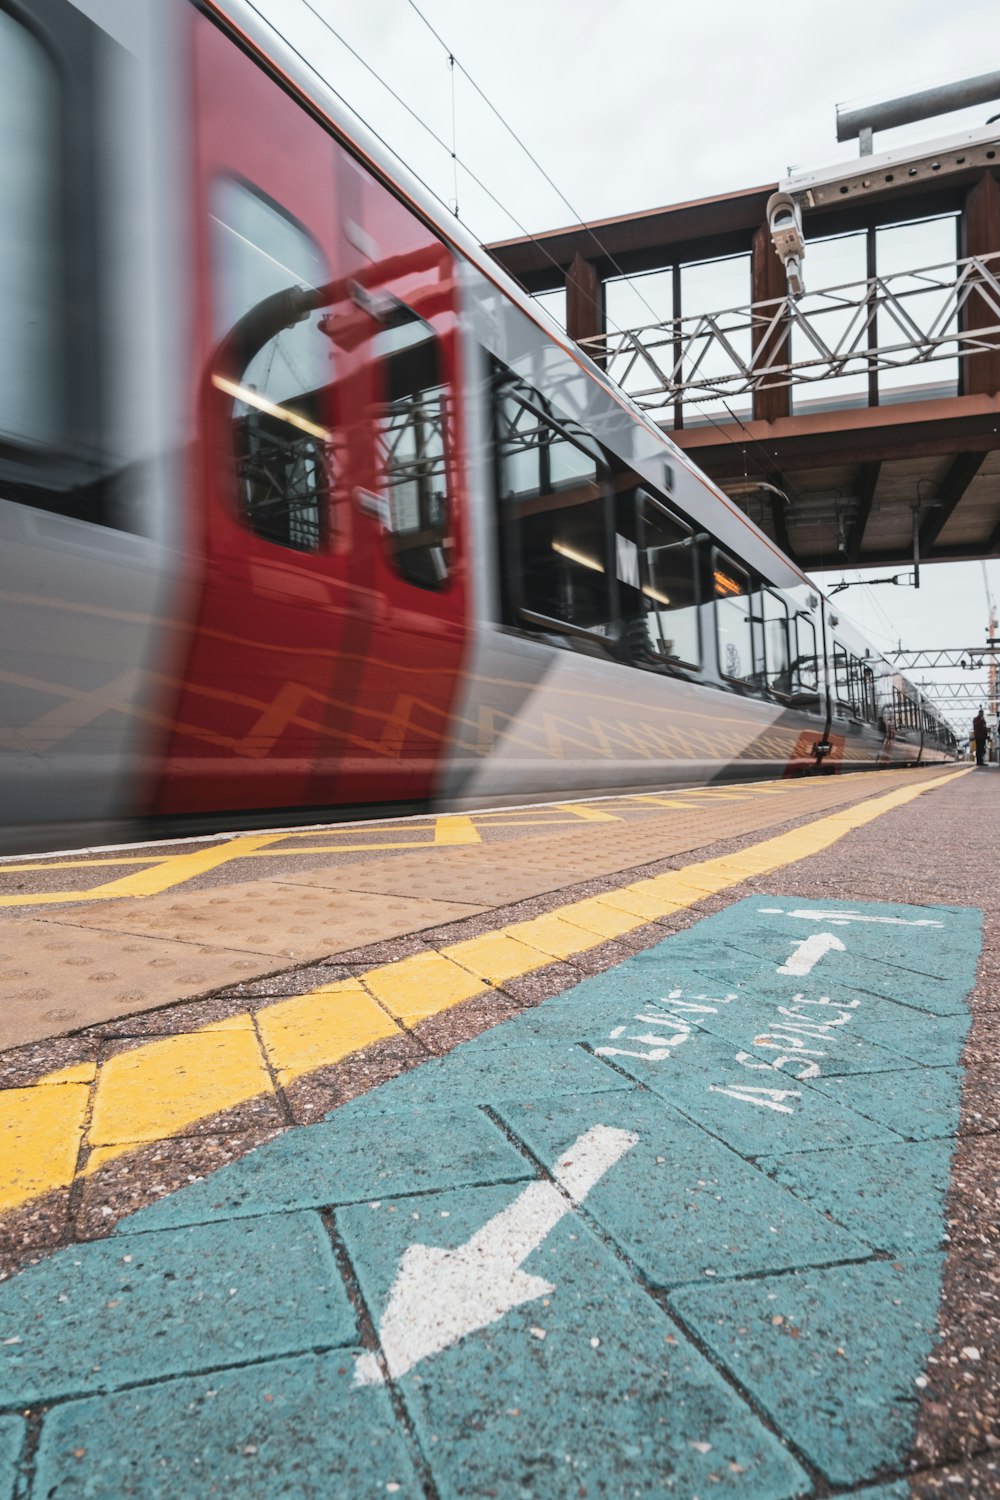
x,y
979,733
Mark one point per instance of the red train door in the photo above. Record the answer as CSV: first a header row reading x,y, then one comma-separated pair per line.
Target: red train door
x,y
400,403
303,644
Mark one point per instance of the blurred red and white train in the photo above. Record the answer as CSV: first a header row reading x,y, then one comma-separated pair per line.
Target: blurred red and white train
x,y
305,506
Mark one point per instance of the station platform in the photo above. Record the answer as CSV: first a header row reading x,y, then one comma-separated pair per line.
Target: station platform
x,y
638,1146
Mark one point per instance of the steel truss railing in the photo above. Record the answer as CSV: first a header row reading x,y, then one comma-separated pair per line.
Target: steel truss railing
x,y
883,323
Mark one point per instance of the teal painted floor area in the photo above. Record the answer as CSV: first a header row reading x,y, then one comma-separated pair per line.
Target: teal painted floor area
x,y
712,1315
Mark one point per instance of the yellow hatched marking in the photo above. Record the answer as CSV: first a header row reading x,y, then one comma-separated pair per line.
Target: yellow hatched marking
x,y
456,830
315,1030
660,801
168,1084
588,812
41,1130
421,986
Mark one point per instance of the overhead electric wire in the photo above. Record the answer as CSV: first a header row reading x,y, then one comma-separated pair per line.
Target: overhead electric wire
x,y
577,218
268,21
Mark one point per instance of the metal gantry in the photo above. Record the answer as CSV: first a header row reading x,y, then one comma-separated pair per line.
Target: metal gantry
x,y
882,323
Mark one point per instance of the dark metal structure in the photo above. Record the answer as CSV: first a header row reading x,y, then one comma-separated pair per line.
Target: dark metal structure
x,y
908,462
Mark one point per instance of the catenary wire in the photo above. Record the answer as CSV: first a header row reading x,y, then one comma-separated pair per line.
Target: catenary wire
x,y
273,26
457,160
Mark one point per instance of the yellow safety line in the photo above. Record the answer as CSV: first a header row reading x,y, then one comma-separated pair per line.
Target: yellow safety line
x,y
589,812
456,830
165,871
167,1085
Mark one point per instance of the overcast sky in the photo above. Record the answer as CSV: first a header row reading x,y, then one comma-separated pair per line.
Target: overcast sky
x,y
631,104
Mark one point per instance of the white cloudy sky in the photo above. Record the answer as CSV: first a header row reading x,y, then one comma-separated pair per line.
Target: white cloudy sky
x,y
630,104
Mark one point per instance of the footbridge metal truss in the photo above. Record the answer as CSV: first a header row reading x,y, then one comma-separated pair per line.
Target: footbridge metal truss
x,y
882,323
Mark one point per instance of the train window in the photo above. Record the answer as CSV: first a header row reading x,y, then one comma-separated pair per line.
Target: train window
x,y
738,657
412,427
777,655
868,709
657,581
274,365
553,517
806,665
30,239
53,323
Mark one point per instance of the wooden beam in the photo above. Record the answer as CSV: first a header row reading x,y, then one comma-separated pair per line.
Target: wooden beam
x,y
960,475
867,483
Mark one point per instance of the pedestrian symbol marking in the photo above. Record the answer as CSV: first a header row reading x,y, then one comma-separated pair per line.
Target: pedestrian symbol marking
x,y
441,1296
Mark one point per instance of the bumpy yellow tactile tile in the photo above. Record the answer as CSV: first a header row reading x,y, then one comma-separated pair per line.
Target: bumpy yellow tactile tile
x,y
40,1131
312,1031
420,986
158,1089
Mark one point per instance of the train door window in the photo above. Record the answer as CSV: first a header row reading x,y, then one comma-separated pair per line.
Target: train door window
x,y
413,444
53,324
738,652
274,365
553,491
777,655
806,667
30,174
868,693
656,560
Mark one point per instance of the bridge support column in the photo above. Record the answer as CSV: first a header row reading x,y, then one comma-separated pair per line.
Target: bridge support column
x,y
584,299
767,280
981,236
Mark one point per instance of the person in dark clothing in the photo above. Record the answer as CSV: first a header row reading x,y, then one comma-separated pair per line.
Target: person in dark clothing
x,y
979,733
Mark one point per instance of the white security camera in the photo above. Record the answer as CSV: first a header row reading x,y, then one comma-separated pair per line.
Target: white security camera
x,y
784,219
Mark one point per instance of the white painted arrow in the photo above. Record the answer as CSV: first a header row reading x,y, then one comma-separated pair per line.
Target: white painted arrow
x,y
441,1296
807,954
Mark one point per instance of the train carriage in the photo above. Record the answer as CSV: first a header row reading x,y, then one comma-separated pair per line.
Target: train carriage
x,y
306,508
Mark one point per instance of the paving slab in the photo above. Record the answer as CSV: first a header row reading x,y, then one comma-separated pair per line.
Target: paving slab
x,y
295,1427
891,1198
832,1355
681,1206
12,1434
336,1163
590,1388
919,1104
142,1307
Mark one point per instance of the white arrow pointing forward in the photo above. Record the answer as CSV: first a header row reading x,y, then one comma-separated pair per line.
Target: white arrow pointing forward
x,y
441,1296
807,954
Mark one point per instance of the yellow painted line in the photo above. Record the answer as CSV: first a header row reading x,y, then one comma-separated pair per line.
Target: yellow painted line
x,y
41,1130
456,830
422,985
316,1030
663,801
588,812
167,1085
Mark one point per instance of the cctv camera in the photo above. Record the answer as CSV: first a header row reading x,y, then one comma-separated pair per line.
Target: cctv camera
x,y
784,219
